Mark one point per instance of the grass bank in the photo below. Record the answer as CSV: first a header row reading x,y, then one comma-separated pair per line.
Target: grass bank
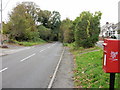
x,y
28,43
88,71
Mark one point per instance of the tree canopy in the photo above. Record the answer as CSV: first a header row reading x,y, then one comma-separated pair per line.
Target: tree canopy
x,y
87,29
66,33
22,22
28,22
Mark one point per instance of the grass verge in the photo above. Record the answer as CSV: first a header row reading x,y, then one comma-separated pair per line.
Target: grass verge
x,y
28,43
88,71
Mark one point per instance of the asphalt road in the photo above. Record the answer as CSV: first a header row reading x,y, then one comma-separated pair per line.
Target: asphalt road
x,y
30,68
99,44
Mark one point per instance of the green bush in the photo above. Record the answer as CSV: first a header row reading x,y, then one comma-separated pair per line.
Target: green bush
x,y
87,43
44,33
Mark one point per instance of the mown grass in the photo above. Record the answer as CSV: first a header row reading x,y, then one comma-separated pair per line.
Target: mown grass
x,y
88,71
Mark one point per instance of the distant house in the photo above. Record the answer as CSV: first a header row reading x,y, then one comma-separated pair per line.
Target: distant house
x,y
109,29
118,27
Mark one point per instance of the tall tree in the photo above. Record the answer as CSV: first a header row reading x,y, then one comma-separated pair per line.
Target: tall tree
x,y
22,23
55,24
50,20
44,18
66,33
32,9
87,28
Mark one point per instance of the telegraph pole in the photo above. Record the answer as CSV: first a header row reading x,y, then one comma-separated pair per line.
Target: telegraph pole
x,y
1,25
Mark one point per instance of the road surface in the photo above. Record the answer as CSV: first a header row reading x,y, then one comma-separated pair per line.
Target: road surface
x,y
99,44
31,68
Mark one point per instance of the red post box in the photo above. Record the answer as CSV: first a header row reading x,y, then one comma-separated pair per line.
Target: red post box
x,y
111,60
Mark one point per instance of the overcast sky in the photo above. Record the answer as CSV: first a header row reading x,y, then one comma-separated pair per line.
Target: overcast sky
x,y
71,8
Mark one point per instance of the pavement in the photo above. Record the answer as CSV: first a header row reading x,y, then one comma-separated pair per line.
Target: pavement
x,y
12,49
4,52
65,73
33,67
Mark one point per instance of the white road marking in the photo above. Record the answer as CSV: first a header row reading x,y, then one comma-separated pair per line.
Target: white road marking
x,y
46,48
3,69
52,45
42,50
35,53
56,69
27,57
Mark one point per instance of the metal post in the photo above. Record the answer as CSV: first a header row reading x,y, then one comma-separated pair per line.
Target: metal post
x,y
1,25
112,81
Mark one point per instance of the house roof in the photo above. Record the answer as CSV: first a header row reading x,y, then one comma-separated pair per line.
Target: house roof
x,y
117,26
110,25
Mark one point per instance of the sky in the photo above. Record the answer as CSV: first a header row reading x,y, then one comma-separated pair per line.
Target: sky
x,y
71,8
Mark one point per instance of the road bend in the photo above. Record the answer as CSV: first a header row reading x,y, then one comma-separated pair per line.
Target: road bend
x,y
31,68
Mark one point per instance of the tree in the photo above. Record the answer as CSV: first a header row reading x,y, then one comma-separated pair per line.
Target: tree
x,y
55,24
32,9
44,18
87,28
66,33
7,26
44,33
50,20
22,23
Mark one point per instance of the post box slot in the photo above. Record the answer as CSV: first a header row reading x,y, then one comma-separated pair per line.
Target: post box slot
x,y
104,44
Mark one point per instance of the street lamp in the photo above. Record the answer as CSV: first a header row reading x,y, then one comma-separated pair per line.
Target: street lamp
x,y
1,25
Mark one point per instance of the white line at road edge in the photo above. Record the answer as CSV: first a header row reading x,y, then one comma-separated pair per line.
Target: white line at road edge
x,y
27,57
3,69
56,69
